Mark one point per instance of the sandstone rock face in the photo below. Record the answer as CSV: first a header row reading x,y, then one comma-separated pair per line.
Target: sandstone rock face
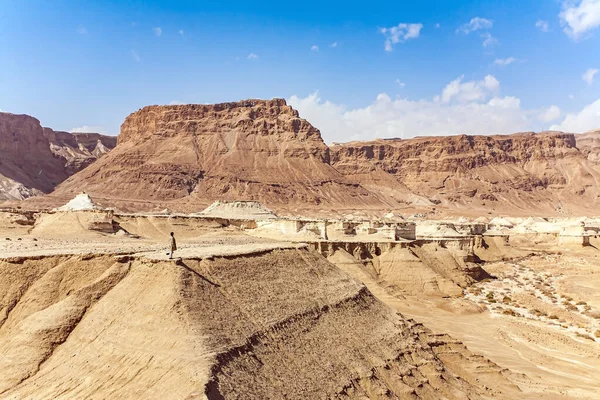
x,y
33,160
196,154
589,144
184,157
524,171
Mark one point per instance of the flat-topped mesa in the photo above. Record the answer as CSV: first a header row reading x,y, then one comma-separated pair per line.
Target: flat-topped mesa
x,y
257,150
263,117
454,153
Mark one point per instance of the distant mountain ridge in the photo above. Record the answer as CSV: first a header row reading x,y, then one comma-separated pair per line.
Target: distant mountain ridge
x,y
184,157
34,159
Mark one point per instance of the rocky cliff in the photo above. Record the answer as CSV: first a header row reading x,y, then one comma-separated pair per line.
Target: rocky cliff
x,y
546,172
589,144
33,159
184,157
195,154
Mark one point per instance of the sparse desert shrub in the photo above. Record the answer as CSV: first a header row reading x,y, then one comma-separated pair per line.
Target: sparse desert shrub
x,y
537,312
568,298
581,303
571,307
508,311
553,316
506,299
490,295
597,333
492,300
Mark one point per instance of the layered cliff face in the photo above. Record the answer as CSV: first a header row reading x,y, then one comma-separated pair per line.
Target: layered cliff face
x,y
543,172
185,157
33,160
589,144
195,154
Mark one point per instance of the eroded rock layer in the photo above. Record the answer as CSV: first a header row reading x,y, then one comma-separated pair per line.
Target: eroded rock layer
x,y
543,172
34,160
249,150
276,324
185,157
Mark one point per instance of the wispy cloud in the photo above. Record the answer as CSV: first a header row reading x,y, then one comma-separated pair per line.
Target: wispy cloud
x,y
488,40
176,103
579,18
157,31
589,75
82,30
252,56
135,55
181,32
542,25
550,114
334,44
504,61
400,33
475,24
88,129
314,48
400,83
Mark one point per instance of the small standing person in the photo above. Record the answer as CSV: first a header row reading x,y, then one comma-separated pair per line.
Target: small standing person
x,y
173,245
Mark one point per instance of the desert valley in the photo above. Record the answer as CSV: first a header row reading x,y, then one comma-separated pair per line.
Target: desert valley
x,y
456,267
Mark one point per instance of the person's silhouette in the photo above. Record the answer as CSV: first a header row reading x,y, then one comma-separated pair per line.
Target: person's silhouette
x,y
173,245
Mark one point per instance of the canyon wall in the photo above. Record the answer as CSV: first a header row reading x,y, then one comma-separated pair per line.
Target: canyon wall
x,y
184,157
34,160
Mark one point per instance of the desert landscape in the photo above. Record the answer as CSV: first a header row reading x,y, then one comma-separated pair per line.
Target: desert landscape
x,y
456,267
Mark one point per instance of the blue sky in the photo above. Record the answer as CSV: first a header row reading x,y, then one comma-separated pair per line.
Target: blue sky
x,y
356,70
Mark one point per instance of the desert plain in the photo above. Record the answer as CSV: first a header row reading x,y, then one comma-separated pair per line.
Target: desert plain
x,y
459,267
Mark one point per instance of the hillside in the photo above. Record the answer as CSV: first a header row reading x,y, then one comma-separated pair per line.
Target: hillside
x,y
184,157
34,160
195,154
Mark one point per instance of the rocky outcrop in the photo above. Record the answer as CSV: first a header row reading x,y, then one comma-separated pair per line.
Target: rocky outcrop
x,y
196,154
184,157
589,144
33,159
523,171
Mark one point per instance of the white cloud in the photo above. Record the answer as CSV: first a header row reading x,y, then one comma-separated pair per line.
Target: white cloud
x,y
579,18
489,40
583,121
88,129
135,55
475,24
181,32
400,83
571,97
81,30
176,103
469,91
552,113
504,61
400,33
473,107
252,56
314,48
543,26
588,75
157,31
334,44
437,25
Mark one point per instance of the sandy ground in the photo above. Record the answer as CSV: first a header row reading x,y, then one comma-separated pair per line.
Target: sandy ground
x,y
539,319
536,321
